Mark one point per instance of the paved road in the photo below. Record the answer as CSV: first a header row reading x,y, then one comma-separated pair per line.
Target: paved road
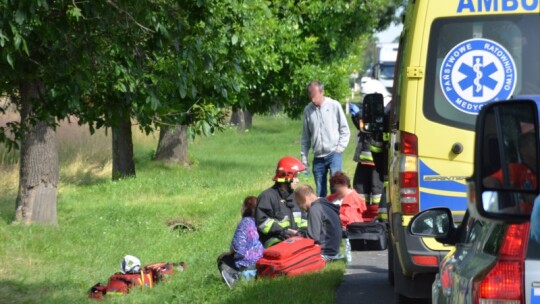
x,y
365,281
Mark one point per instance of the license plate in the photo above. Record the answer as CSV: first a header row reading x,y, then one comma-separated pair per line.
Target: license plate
x,y
535,293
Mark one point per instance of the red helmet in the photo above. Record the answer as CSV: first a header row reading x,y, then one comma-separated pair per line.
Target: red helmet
x,y
287,168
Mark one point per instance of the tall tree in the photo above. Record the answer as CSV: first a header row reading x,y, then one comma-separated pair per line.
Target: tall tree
x,y
172,145
164,62
36,201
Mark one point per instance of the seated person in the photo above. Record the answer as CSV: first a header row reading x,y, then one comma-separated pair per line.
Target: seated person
x,y
324,225
522,175
246,249
352,205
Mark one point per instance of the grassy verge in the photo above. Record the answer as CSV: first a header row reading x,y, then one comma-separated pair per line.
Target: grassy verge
x,y
101,220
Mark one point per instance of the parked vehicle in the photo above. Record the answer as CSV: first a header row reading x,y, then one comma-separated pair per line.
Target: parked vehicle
x,y
384,66
455,57
497,246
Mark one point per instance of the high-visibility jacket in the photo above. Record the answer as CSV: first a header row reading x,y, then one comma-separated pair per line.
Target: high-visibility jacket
x,y
276,212
363,152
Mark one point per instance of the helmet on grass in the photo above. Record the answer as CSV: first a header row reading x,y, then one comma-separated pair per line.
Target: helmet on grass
x,y
287,168
130,264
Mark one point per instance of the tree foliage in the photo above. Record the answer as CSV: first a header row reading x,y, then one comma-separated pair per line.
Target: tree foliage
x,y
179,62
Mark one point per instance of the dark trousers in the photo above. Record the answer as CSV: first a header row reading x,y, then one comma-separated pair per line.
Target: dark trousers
x,y
226,260
366,181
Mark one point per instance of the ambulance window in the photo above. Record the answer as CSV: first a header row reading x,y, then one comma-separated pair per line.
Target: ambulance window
x,y
396,92
476,60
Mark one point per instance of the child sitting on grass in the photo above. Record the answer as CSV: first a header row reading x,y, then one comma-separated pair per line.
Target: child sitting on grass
x,y
246,249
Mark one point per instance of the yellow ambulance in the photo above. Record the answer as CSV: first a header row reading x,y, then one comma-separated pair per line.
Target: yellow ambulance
x,y
455,56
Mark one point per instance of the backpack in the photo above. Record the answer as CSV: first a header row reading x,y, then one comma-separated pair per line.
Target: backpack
x,y
121,283
293,256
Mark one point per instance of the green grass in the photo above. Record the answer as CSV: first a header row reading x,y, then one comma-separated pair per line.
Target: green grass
x,y
100,221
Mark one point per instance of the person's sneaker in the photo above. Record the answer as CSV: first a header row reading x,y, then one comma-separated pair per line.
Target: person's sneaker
x,y
331,258
228,277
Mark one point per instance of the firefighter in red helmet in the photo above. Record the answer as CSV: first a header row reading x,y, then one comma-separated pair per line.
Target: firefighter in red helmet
x,y
277,216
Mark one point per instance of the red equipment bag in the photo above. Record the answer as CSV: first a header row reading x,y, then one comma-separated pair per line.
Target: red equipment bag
x,y
97,291
293,256
121,283
162,271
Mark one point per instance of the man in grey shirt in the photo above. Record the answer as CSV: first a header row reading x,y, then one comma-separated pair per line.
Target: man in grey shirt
x,y
326,131
324,225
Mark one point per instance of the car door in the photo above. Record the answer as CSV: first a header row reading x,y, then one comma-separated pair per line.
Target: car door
x,y
475,251
449,278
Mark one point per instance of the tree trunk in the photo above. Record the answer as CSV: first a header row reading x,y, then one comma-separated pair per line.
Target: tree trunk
x,y
122,149
276,109
173,145
38,178
238,119
242,119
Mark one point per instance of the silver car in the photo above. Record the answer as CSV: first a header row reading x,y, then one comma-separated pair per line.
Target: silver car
x,y
497,245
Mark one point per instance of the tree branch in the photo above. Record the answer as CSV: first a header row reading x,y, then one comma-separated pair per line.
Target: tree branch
x,y
130,17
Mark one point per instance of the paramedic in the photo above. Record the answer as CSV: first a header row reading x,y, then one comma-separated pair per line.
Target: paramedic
x,y
352,205
277,217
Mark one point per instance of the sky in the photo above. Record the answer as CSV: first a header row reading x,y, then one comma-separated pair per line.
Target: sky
x,y
390,34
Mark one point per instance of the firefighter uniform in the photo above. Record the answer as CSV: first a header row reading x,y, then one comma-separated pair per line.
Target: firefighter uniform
x,y
378,147
367,181
276,212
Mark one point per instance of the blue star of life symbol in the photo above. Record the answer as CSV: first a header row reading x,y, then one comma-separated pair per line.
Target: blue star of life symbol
x,y
475,72
477,76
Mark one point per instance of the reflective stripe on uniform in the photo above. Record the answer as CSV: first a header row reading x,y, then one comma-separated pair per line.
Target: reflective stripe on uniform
x,y
383,215
300,222
284,223
271,241
266,226
385,136
371,199
375,149
366,156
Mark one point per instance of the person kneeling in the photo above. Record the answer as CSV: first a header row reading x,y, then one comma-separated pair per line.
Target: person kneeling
x,y
324,225
246,249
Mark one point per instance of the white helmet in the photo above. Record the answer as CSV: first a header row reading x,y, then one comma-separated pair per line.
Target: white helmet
x,y
370,86
130,264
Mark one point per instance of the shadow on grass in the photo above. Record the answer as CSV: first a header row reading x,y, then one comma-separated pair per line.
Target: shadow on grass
x,y
317,287
7,209
44,292
83,178
268,129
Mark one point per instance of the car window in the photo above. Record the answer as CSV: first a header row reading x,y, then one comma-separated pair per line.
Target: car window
x,y
473,61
